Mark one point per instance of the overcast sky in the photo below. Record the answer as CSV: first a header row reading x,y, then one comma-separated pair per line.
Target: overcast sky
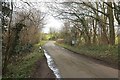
x,y
40,5
50,20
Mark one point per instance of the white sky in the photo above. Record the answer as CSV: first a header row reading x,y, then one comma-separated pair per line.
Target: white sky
x,y
62,0
50,20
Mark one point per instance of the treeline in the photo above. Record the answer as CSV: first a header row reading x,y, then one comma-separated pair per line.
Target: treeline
x,y
21,26
89,23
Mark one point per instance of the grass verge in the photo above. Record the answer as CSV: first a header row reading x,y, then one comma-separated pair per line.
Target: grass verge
x,y
23,68
41,43
105,53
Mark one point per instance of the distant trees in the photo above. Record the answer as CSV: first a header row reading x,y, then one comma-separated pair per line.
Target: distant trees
x,y
53,32
65,33
94,21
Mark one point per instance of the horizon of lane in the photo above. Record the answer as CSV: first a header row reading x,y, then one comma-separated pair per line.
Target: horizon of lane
x,y
73,65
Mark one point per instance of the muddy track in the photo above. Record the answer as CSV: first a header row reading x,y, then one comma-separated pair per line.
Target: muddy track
x,y
42,70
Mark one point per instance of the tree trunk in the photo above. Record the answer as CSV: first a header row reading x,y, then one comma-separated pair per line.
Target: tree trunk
x,y
111,24
7,52
87,34
104,31
94,32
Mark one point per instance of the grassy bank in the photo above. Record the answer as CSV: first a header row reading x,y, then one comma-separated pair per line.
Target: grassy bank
x,y
24,66
40,43
105,53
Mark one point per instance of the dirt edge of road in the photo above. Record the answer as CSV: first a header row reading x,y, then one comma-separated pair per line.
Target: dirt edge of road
x,y
41,69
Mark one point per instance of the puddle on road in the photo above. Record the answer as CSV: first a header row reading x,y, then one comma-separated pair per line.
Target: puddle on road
x,y
52,65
